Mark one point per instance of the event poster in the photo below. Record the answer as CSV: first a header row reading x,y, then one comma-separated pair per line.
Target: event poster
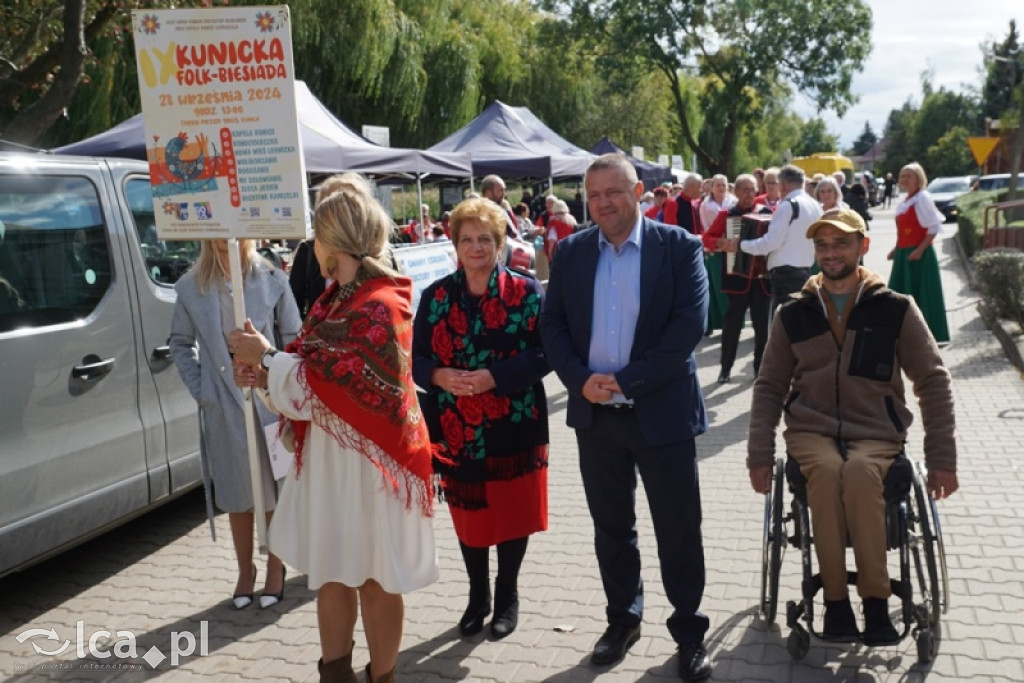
x,y
222,136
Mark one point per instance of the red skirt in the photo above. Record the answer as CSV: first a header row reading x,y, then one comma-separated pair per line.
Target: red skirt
x,y
515,508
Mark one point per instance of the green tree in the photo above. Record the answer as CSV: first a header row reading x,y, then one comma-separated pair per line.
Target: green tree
x,y
940,112
950,155
765,141
638,116
364,59
897,133
926,133
43,55
865,141
744,53
562,86
1004,70
814,137
422,67
1003,96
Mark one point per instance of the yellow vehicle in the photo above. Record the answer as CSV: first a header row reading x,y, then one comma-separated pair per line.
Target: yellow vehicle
x,y
827,163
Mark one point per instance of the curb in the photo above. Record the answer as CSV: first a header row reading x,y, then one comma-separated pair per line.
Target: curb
x,y
1010,342
1003,330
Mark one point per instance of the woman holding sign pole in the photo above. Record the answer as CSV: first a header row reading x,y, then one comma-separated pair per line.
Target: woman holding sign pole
x,y
203,317
355,510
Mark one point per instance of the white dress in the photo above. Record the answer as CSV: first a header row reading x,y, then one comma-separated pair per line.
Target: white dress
x,y
339,519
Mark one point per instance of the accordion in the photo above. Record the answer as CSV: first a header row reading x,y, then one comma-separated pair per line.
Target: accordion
x,y
748,227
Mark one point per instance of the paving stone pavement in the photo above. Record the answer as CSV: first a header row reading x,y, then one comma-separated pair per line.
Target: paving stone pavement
x,y
161,576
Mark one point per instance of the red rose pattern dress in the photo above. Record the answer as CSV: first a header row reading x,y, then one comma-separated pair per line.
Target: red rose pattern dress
x,y
491,449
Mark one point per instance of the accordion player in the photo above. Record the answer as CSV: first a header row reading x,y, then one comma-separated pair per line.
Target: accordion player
x,y
747,227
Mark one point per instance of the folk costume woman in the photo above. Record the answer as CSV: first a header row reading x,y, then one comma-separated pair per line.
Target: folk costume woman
x,y
915,267
719,200
559,227
477,352
355,511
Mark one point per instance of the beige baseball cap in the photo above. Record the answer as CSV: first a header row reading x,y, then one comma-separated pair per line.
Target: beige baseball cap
x,y
846,220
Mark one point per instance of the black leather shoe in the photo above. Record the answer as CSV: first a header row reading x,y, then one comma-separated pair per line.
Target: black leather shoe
x,y
612,645
505,620
723,377
694,662
840,624
472,621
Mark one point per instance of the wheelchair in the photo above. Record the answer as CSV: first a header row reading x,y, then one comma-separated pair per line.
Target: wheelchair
x,y
912,528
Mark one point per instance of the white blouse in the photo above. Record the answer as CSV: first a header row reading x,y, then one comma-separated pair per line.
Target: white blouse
x,y
928,215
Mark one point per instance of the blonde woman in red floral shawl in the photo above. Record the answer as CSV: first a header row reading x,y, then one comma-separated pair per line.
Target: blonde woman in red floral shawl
x,y
355,510
477,352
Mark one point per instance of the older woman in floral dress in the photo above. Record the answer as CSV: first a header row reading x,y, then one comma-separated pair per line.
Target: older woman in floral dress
x,y
477,353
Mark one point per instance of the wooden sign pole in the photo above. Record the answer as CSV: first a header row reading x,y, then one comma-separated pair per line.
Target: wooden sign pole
x,y
255,466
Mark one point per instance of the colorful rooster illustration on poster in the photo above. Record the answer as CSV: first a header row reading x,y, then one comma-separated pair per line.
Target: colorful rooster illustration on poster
x,y
184,165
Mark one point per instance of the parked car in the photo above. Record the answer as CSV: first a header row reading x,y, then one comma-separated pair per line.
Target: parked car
x,y
945,192
97,426
996,181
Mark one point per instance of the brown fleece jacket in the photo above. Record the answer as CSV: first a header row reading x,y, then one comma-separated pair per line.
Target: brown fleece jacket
x,y
844,378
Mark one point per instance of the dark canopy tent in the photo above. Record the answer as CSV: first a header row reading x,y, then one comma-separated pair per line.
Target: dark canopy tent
x,y
652,174
328,146
512,142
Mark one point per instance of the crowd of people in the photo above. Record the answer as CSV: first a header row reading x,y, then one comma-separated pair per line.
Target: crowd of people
x,y
384,408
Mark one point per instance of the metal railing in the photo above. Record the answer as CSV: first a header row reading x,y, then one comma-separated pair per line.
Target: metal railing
x,y
995,235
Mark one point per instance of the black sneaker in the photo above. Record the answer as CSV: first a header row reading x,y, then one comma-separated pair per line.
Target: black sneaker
x,y
840,624
878,628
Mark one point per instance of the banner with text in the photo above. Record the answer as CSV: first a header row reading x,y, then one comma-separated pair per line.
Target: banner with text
x,y
222,134
425,263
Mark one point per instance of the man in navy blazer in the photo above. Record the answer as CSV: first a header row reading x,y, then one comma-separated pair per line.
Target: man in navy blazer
x,y
624,311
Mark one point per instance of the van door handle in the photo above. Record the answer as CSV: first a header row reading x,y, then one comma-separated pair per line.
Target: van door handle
x,y
92,368
161,353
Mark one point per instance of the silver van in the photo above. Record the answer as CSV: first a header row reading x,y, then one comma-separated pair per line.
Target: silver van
x,y
95,425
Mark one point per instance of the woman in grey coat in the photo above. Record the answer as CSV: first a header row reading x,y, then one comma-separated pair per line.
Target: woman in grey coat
x,y
203,316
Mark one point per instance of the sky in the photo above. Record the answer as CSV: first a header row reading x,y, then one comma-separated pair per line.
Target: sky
x,y
910,37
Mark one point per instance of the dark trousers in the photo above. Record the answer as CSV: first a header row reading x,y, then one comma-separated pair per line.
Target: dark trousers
x,y
759,304
785,281
612,450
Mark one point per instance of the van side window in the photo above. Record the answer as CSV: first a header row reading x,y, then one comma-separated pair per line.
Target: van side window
x,y
55,262
166,261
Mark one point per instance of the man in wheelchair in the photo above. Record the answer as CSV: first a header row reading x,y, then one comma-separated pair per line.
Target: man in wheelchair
x,y
834,364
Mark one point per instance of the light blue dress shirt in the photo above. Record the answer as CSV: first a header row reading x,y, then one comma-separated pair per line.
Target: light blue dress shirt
x,y
616,304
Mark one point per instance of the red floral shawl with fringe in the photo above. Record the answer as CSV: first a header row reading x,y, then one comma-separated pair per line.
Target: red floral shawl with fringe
x,y
357,374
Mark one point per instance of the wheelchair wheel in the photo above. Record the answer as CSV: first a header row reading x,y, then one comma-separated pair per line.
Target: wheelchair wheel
x,y
929,544
940,545
926,646
798,644
772,540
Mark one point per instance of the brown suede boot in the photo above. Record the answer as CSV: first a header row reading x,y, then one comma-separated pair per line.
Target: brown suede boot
x,y
389,677
337,670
